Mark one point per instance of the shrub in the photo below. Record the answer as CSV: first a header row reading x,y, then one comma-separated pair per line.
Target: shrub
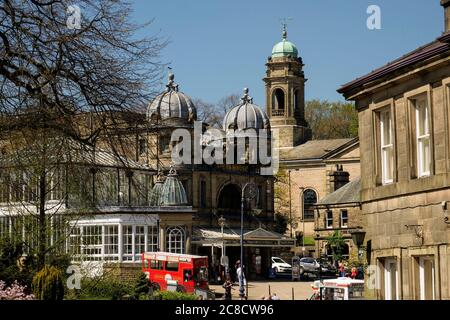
x,y
173,295
14,292
142,285
48,284
105,287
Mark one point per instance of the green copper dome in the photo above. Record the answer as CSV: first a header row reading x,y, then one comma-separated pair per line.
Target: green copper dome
x,y
284,48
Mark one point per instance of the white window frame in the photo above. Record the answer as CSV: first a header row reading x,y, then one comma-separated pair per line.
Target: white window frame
x,y
174,244
388,274
387,177
342,219
328,220
422,276
421,139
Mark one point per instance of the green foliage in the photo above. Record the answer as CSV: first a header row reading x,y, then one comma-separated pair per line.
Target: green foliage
x,y
331,120
142,285
283,215
48,284
107,287
337,244
14,266
173,295
281,223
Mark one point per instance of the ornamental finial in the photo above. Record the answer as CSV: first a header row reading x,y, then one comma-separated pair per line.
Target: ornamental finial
x,y
171,85
246,98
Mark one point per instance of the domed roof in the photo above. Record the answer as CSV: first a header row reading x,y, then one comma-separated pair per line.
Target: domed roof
x,y
172,104
246,115
155,194
284,48
173,193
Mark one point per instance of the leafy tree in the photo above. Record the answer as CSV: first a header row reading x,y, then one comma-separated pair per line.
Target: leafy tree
x,y
337,244
331,120
284,214
281,223
61,89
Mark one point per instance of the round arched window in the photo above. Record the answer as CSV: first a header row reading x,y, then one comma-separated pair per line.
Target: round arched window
x,y
278,102
309,199
175,240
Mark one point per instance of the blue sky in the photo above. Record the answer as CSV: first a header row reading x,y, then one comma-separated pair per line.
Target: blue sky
x,y
219,47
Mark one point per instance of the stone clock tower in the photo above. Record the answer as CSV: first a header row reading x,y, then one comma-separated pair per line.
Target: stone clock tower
x,y
285,94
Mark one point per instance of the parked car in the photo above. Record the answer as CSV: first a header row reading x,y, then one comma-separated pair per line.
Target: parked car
x,y
327,268
280,266
309,266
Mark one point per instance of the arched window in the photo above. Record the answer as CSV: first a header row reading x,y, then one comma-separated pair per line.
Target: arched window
x,y
230,198
309,199
278,102
175,240
296,98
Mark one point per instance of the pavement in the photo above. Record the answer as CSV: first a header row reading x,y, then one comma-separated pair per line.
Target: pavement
x,y
284,288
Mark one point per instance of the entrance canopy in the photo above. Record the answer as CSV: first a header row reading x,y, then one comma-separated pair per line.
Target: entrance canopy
x,y
231,237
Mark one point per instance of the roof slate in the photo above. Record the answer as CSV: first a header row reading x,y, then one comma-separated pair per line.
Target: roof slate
x,y
313,149
350,193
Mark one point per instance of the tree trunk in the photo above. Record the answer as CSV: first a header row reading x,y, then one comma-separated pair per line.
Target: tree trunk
x,y
42,222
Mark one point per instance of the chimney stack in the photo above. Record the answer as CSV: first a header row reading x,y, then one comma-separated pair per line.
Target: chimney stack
x,y
337,178
446,5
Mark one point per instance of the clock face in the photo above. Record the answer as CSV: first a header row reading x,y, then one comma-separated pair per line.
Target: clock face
x,y
251,191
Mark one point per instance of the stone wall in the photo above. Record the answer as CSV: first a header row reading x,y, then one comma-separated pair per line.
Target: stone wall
x,y
404,220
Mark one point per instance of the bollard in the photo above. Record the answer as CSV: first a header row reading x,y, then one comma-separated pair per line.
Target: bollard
x,y
293,298
269,291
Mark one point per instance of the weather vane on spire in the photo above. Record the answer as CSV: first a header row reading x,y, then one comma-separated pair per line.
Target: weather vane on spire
x,y
284,22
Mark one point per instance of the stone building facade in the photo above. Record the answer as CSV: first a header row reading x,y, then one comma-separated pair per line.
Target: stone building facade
x,y
339,211
307,162
405,188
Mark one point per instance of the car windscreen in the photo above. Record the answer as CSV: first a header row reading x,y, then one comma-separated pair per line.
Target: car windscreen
x,y
278,260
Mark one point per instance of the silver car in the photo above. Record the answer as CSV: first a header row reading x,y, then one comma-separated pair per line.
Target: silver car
x,y
309,266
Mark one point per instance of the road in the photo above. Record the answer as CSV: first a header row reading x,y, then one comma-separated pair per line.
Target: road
x,y
283,288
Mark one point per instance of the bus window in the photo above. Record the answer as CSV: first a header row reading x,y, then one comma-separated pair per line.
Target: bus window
x,y
201,274
156,264
172,266
187,275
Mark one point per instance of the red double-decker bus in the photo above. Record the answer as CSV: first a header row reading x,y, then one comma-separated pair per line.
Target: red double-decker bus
x,y
183,271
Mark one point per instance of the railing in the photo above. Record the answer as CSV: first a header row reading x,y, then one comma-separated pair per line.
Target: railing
x,y
278,113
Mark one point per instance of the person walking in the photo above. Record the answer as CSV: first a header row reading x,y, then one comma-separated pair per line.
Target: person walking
x,y
228,285
239,271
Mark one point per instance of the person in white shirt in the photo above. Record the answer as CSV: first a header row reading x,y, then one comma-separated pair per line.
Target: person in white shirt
x,y
238,273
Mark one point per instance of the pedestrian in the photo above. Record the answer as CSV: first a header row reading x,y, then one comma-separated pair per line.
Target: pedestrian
x,y
341,269
228,285
353,273
239,272
275,297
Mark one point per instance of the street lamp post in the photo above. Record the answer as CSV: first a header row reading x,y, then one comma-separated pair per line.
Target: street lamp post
x,y
251,193
222,224
358,239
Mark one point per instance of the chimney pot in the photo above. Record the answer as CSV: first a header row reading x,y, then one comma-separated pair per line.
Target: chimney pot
x,y
446,5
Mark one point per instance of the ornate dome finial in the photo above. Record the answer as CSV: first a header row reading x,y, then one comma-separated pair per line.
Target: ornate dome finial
x,y
246,98
284,34
171,85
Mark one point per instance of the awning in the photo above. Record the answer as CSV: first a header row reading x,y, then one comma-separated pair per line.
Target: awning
x,y
231,237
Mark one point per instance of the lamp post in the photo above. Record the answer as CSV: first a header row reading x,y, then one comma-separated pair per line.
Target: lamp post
x,y
302,189
358,239
222,224
249,191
